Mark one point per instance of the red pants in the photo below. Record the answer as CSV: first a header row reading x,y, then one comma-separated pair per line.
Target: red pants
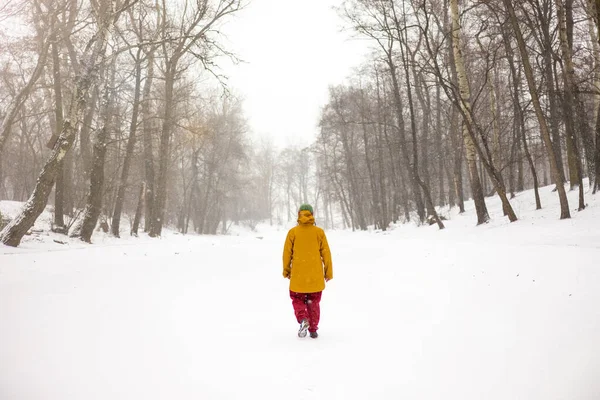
x,y
306,305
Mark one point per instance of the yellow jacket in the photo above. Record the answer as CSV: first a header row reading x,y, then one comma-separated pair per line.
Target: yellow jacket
x,y
305,254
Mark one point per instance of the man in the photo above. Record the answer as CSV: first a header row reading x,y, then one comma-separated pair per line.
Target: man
x,y
307,264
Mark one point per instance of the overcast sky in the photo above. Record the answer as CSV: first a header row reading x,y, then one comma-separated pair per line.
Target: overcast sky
x,y
293,51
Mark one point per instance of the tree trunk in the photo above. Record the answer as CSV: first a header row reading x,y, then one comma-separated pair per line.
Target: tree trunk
x,y
160,197
93,206
544,19
424,99
585,135
116,218
520,176
452,201
385,220
471,153
356,210
438,145
596,51
372,181
457,175
84,136
494,155
569,84
572,160
597,153
148,148
59,222
395,172
513,162
403,145
12,234
595,12
520,117
138,211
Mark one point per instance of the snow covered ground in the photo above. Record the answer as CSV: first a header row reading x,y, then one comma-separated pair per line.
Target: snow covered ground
x,y
501,311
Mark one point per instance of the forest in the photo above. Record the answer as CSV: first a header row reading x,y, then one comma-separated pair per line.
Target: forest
x,y
116,114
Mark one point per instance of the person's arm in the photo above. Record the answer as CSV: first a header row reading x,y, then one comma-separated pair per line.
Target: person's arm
x,y
288,251
326,257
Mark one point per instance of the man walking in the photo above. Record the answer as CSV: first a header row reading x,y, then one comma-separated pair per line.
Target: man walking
x,y
307,264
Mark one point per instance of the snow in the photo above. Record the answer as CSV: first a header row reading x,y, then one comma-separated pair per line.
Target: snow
x,y
500,311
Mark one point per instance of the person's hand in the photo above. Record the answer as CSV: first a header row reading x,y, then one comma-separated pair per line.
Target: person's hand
x,y
327,279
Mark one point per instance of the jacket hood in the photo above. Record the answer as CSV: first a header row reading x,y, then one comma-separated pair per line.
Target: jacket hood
x,y
306,218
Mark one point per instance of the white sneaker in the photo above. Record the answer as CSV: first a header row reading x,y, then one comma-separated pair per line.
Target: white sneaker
x,y
303,328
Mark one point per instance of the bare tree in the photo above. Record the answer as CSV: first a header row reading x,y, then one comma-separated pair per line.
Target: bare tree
x,y
93,57
46,37
465,105
533,91
569,100
197,20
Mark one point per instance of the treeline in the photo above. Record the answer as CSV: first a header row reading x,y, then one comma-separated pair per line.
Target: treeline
x,y
115,110
108,106
462,100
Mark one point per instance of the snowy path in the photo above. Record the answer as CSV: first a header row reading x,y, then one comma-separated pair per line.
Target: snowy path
x,y
210,318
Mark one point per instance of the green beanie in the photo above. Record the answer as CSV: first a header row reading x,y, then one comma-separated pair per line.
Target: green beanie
x,y
306,207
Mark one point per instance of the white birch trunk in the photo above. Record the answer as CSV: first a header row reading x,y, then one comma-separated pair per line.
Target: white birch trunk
x,y
465,104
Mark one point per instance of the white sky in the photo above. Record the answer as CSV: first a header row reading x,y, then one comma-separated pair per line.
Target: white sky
x,y
294,50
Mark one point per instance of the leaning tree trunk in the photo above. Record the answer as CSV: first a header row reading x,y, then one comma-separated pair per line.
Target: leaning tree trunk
x,y
562,195
494,155
12,234
463,84
93,206
518,112
116,217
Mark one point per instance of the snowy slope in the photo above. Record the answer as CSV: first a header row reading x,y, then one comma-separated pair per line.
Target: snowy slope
x,y
41,238
501,311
